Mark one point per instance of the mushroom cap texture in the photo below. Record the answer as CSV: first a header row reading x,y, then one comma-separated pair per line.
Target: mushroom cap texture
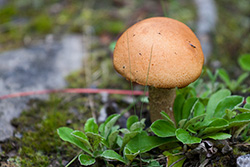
x,y
159,52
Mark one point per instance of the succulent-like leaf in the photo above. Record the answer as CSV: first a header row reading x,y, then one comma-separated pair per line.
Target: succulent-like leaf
x,y
129,155
178,105
94,139
227,103
111,154
163,128
91,126
216,125
109,123
244,62
65,134
199,109
138,126
112,138
167,118
218,136
82,137
86,160
143,143
214,101
184,137
132,119
239,120
193,120
188,107
127,137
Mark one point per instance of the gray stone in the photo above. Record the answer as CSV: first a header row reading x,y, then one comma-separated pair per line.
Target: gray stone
x,y
35,68
243,161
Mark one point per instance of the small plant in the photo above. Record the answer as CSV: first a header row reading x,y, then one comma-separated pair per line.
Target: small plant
x,y
105,142
236,85
220,117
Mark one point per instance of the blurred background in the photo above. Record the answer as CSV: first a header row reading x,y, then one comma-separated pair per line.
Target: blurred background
x,y
223,25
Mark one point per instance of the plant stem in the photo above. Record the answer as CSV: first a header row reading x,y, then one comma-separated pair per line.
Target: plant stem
x,y
73,159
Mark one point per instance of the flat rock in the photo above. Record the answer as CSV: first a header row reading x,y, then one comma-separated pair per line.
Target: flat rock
x,y
39,67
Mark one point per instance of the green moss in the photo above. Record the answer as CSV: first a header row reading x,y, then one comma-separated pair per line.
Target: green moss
x,y
40,144
41,24
7,12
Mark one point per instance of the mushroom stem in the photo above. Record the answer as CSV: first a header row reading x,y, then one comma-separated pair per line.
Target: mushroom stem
x,y
161,99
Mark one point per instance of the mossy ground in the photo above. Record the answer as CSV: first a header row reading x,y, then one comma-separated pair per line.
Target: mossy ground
x,y
36,142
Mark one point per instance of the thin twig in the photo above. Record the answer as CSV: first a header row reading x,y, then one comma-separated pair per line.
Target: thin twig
x,y
177,161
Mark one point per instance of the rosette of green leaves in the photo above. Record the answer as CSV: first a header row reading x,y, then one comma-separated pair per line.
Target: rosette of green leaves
x,y
95,141
199,118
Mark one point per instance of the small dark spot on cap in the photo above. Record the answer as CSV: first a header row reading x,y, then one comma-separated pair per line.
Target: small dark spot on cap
x,y
136,71
133,35
175,53
140,54
192,45
123,67
159,33
152,64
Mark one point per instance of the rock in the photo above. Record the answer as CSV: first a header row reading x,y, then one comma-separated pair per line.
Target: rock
x,y
207,18
243,161
38,67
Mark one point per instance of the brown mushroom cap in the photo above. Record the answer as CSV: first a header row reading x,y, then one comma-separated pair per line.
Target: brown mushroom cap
x,y
174,50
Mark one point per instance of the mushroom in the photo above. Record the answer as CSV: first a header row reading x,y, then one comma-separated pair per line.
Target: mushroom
x,y
163,54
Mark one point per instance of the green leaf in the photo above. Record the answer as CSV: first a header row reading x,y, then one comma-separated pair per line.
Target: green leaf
x,y
182,122
128,154
241,78
214,101
227,103
218,136
239,120
112,138
143,143
86,160
154,163
216,125
119,141
101,129
109,123
167,118
127,137
248,100
188,107
247,105
82,137
224,76
91,126
199,109
138,126
244,62
171,159
178,105
163,128
132,119
111,154
229,114
242,109
94,139
65,134
192,121
184,137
